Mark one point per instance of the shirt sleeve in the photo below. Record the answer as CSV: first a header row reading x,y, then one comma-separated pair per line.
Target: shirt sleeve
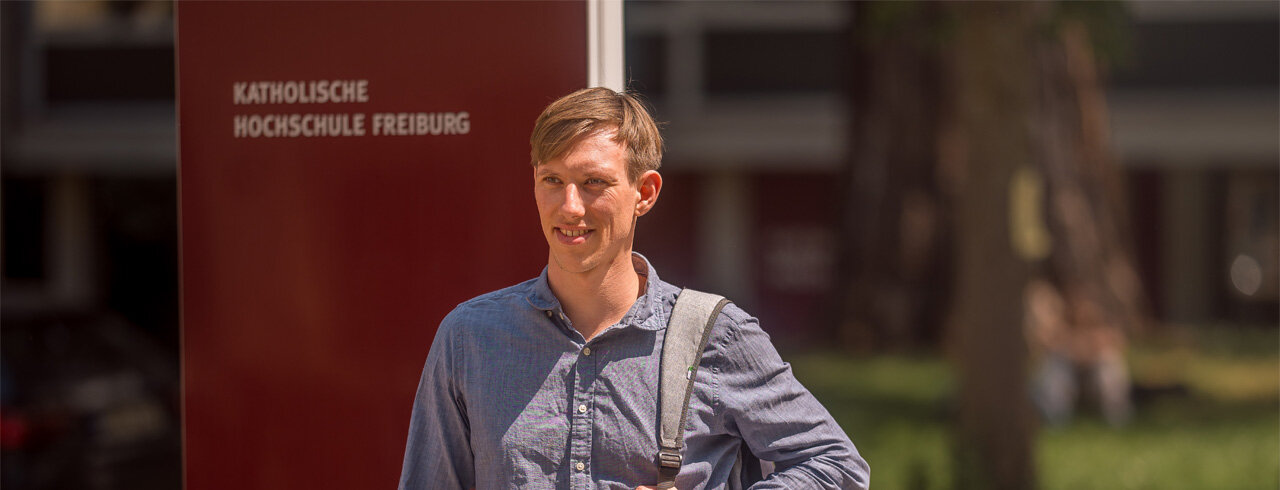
x,y
438,452
779,420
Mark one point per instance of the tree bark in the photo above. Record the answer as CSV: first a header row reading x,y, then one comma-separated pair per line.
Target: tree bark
x,y
993,71
894,269
979,160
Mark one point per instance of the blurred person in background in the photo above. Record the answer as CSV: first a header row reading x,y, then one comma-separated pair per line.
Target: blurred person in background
x,y
1079,352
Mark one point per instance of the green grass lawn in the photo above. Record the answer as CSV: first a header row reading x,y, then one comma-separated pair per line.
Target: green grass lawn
x,y
1213,422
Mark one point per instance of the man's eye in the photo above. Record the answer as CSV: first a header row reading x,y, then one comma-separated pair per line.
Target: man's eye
x,y
594,181
551,180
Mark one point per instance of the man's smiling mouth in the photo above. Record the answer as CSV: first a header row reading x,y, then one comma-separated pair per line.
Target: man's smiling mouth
x,y
574,236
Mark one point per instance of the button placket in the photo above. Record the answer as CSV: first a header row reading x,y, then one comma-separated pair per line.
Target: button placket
x,y
580,415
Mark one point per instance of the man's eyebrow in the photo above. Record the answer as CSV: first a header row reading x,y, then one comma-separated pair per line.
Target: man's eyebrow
x,y
605,176
597,168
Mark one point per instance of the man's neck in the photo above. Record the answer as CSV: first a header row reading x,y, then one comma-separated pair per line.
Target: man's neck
x,y
598,298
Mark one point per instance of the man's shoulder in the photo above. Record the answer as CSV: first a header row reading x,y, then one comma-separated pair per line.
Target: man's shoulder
x,y
668,294
513,292
729,322
513,295
730,314
732,320
735,314
506,301
734,329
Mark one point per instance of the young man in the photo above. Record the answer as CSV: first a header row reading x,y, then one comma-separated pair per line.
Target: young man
x,y
553,383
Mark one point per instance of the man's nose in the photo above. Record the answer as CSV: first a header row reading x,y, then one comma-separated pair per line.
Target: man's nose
x,y
572,206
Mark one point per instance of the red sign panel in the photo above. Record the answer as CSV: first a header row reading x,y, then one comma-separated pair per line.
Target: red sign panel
x,y
349,172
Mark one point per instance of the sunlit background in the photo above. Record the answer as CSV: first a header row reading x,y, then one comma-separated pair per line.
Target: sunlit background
x,y
818,160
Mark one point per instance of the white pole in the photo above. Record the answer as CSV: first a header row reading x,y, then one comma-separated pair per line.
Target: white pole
x,y
605,50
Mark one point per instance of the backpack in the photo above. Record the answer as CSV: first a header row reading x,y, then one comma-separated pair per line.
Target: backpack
x,y
688,330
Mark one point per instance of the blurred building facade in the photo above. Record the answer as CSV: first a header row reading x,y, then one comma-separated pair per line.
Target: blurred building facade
x,y
1196,124
754,94
89,246
89,141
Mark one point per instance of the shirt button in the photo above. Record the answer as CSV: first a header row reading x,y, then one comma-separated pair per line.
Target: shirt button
x,y
580,466
548,313
582,408
586,351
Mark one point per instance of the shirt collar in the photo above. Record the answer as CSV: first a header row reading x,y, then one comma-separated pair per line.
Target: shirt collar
x,y
645,313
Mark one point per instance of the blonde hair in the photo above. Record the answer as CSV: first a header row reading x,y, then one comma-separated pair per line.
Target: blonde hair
x,y
592,110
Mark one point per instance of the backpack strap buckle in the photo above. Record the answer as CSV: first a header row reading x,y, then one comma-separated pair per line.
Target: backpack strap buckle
x,y
670,457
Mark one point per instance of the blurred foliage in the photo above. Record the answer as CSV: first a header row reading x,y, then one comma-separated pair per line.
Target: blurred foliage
x,y
1108,23
1207,400
918,23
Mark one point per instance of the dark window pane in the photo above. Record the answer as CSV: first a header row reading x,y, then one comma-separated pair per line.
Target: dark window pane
x,y
646,64
1203,54
138,220
114,73
24,212
738,62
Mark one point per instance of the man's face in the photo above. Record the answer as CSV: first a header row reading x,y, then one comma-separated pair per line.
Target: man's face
x,y
587,204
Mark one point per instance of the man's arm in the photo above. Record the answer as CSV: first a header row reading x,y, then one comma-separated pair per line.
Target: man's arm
x,y
438,454
779,419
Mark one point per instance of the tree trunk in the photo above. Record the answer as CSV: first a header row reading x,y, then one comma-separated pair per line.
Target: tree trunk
x,y
979,160
894,269
986,141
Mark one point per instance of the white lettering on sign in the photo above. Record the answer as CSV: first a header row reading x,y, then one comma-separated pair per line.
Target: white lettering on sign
x,y
325,125
421,123
308,92
298,125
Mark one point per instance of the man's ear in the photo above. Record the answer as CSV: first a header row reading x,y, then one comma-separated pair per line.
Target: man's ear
x,y
649,185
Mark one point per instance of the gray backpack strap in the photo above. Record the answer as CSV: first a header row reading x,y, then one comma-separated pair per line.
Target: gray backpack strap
x,y
687,333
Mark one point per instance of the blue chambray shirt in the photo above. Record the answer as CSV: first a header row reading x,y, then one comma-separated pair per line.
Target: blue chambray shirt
x,y
513,397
